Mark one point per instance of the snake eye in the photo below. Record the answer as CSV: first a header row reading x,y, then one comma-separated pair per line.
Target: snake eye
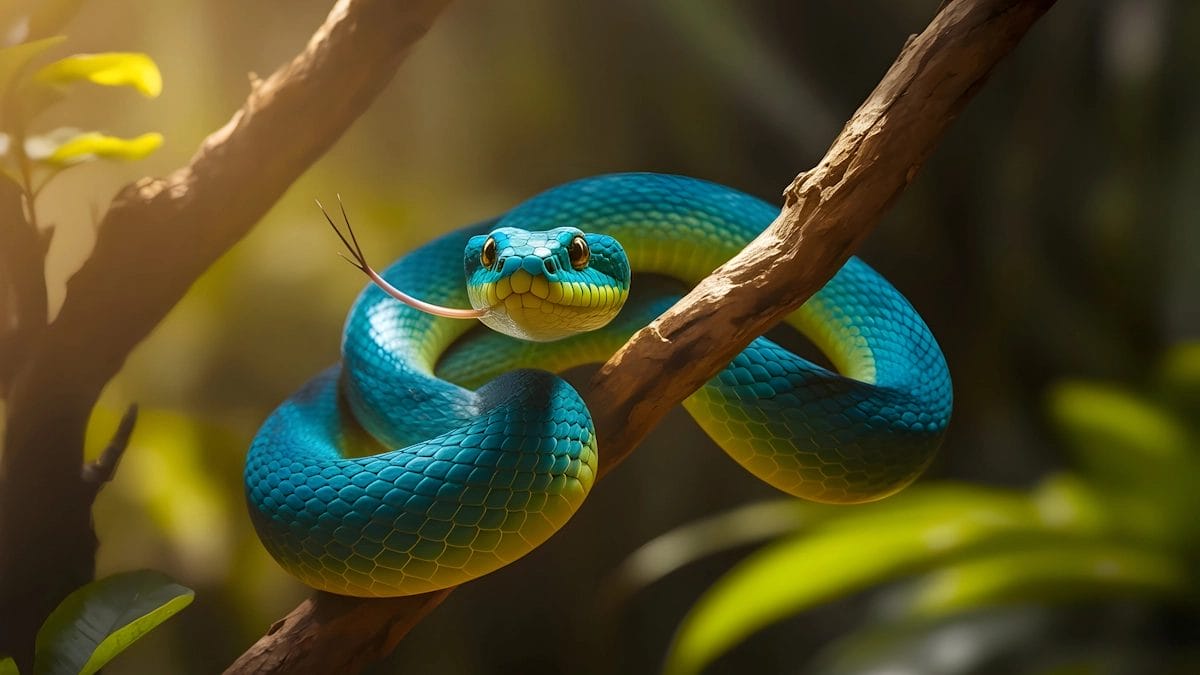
x,y
579,252
487,257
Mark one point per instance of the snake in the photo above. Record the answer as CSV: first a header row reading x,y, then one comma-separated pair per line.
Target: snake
x,y
440,449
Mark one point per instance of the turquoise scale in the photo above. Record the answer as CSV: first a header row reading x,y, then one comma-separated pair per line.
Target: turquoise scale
x,y
422,461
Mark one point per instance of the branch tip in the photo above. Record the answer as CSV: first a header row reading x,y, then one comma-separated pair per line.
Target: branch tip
x,y
102,470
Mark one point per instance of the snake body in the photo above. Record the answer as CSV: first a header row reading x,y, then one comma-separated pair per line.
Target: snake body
x,y
438,451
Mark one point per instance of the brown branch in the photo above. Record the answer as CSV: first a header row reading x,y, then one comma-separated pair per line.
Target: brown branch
x,y
827,212
154,241
336,634
23,307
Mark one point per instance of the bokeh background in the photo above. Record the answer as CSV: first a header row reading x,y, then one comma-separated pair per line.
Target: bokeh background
x,y
1052,235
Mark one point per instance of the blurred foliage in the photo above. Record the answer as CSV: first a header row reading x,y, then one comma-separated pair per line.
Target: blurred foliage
x,y
1051,235
1123,527
97,622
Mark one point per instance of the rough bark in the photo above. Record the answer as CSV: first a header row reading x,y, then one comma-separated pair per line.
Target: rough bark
x,y
827,213
154,241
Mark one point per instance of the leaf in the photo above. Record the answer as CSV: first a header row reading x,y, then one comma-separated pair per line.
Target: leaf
x,y
1050,571
112,69
100,620
1179,378
40,147
8,666
92,145
13,59
686,544
1120,438
848,554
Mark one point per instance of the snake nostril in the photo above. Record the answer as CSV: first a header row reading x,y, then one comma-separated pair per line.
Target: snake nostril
x,y
551,267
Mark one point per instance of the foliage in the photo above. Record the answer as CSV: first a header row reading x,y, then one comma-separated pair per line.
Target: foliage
x,y
1122,527
32,160
102,619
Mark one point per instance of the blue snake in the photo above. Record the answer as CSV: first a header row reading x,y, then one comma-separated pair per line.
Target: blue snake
x,y
439,451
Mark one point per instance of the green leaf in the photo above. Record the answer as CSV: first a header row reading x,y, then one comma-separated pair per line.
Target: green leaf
x,y
1179,378
15,58
100,620
1119,437
8,666
1050,571
686,544
92,145
113,69
846,555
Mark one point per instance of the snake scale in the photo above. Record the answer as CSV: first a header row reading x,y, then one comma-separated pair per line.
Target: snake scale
x,y
439,451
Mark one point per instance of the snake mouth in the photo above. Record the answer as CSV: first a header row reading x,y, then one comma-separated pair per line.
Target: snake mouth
x,y
522,289
535,308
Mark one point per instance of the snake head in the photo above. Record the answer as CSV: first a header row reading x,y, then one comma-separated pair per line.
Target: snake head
x,y
547,285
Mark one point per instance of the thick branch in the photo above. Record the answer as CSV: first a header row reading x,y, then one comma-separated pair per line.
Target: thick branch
x,y
827,213
336,634
156,239
23,308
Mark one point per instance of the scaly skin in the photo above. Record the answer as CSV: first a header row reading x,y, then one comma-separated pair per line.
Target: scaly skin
x,y
483,476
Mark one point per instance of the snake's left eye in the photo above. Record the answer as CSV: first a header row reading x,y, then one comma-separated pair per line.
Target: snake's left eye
x,y
579,252
487,257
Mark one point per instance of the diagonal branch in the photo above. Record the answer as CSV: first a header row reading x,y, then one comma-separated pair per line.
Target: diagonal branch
x,y
827,213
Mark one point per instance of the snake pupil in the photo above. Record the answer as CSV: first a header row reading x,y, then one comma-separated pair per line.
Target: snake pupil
x,y
487,257
579,252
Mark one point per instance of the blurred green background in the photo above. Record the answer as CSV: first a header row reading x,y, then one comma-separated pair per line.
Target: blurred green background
x,y
1052,235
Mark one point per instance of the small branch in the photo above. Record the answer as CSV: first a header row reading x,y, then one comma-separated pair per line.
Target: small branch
x,y
102,470
827,212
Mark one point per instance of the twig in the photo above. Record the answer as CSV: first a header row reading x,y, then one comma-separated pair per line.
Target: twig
x,y
101,471
827,212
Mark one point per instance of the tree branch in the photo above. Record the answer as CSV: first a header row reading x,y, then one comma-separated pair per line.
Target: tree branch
x,y
154,241
22,282
827,213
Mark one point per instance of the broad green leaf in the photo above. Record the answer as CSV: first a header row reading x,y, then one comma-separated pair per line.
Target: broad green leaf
x,y
100,620
13,59
94,145
113,69
1119,437
8,666
844,556
1066,500
1051,571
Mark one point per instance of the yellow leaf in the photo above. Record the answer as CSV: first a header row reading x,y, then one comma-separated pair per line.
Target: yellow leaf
x,y
112,69
94,145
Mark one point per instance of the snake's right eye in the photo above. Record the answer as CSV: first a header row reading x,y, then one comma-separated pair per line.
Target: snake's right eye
x,y
487,257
